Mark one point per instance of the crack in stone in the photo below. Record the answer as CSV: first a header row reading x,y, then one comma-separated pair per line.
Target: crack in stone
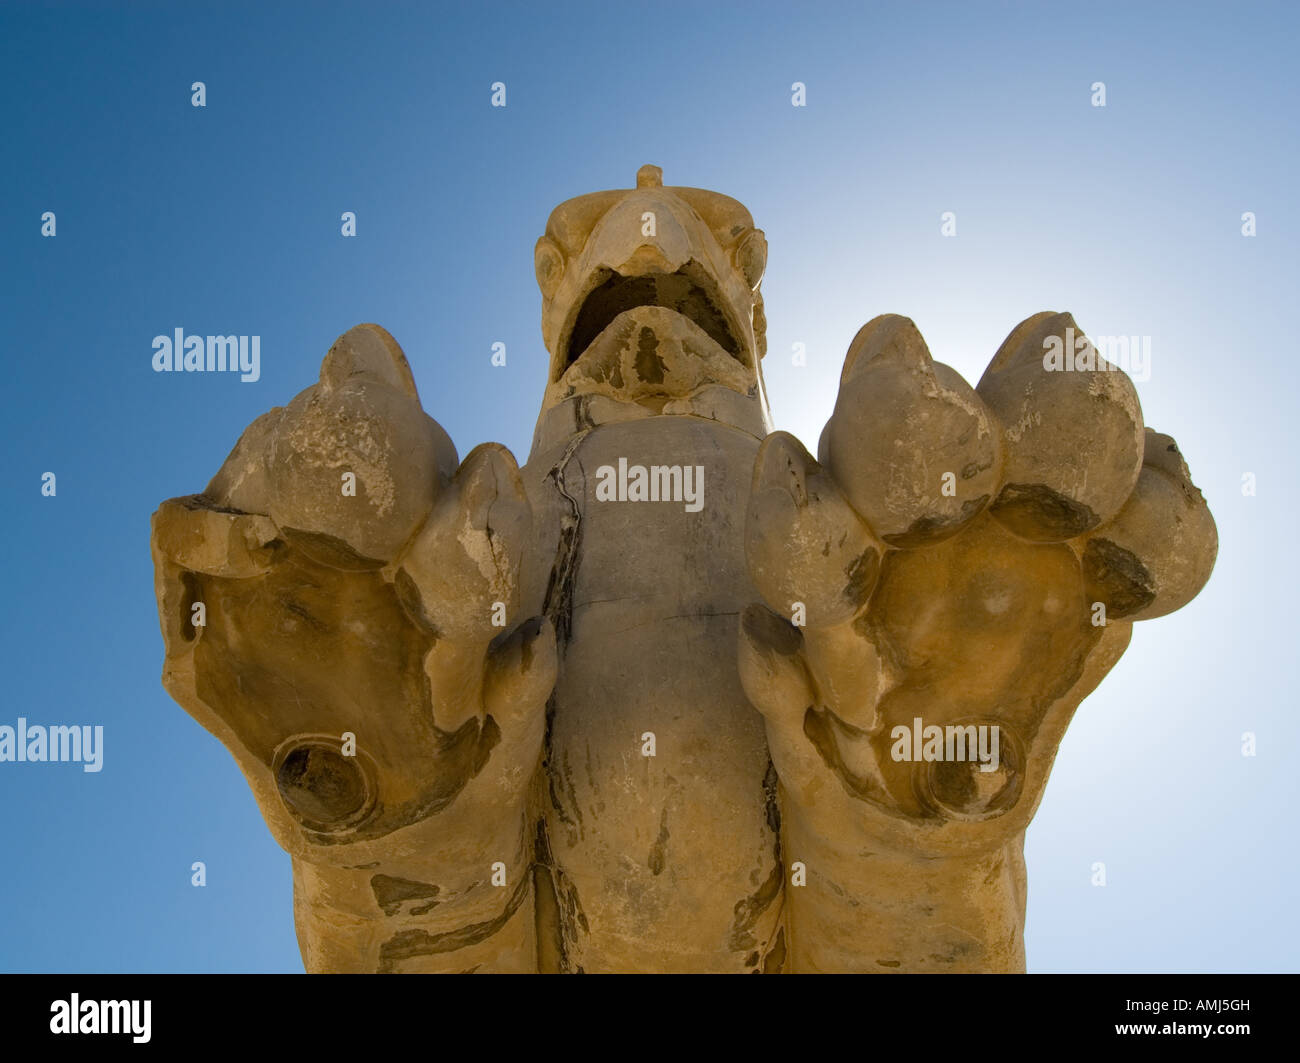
x,y
558,604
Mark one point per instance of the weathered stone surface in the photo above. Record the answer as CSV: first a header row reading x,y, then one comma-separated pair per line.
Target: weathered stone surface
x,y
362,419
1157,552
805,545
665,698
1071,433
916,452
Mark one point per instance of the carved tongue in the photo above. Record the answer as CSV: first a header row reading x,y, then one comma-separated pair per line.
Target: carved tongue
x,y
652,352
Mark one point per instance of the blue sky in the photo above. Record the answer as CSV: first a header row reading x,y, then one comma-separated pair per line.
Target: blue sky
x,y
225,219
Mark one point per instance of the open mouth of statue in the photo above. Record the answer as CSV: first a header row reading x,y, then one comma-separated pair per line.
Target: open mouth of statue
x,y
687,292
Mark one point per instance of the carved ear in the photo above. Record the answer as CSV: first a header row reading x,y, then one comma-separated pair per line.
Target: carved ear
x,y
548,261
749,257
367,352
910,443
1071,431
760,325
1158,551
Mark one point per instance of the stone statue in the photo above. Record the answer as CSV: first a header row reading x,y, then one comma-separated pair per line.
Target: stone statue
x,y
674,696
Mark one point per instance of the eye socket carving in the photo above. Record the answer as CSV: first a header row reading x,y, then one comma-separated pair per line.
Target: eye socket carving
x,y
750,257
548,261
962,790
323,789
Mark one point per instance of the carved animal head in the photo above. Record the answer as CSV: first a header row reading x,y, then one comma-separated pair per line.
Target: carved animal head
x,y
650,305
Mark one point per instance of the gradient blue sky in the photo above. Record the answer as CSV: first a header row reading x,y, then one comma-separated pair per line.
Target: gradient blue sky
x,y
226,220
